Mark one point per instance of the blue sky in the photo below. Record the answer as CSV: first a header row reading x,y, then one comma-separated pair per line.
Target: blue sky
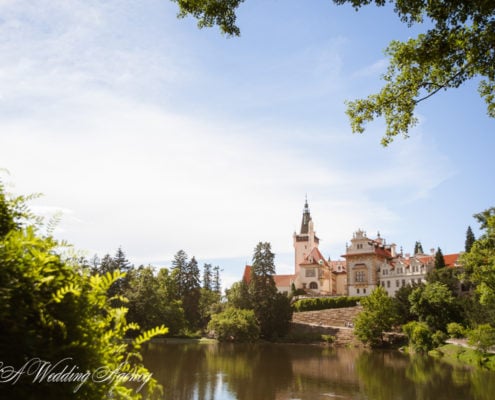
x,y
150,134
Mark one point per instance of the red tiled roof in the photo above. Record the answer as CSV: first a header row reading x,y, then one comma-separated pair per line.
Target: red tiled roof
x,y
280,280
314,257
451,259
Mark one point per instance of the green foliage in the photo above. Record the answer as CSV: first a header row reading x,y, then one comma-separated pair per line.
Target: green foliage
x,y
212,12
479,263
482,337
148,303
238,296
419,335
435,305
377,317
470,239
456,330
271,308
323,303
403,305
51,309
235,325
439,259
457,47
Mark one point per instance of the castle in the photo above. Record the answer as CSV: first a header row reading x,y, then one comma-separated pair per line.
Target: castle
x,y
368,263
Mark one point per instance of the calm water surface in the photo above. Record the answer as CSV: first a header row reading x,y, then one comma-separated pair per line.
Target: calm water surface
x,y
274,371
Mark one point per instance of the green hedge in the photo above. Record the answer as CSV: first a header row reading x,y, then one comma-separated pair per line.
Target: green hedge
x,y
323,303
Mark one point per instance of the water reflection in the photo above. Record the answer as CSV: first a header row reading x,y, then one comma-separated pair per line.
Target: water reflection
x,y
274,372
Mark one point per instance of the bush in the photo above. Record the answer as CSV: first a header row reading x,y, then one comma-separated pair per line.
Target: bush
x,y
419,335
323,303
235,325
455,330
54,316
482,337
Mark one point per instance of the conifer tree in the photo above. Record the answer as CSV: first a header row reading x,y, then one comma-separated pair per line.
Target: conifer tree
x,y
207,276
470,239
191,292
272,309
439,260
179,265
217,284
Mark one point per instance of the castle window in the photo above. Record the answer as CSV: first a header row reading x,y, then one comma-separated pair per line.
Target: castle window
x,y
310,273
397,283
360,276
364,291
313,285
357,291
359,245
388,284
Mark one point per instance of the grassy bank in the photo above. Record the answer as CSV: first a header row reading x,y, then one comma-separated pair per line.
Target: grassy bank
x,y
462,356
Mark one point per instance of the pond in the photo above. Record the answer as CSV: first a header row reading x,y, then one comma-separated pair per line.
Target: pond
x,y
281,371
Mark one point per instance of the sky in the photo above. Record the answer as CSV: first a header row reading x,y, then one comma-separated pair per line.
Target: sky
x,y
147,133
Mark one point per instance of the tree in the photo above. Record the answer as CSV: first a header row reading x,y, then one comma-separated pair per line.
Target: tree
x,y
271,308
402,303
470,239
234,325
457,47
52,309
479,262
439,260
217,283
207,276
377,317
191,293
147,304
419,336
482,337
238,295
179,265
435,305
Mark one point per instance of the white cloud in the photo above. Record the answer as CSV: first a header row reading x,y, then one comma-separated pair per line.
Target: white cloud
x,y
80,125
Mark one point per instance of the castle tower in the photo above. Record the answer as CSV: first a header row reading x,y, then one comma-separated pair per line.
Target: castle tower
x,y
306,240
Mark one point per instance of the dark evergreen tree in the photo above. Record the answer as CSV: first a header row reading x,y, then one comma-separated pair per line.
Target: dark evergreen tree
x,y
217,284
207,276
271,308
470,239
191,293
418,248
262,284
439,260
179,265
106,264
121,263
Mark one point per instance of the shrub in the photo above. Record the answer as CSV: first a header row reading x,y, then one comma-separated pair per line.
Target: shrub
x,y
55,317
482,337
235,325
455,330
419,336
323,303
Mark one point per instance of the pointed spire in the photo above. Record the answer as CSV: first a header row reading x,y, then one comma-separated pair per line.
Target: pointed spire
x,y
306,218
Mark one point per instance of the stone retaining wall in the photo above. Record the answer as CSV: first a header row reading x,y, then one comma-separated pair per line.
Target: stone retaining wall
x,y
331,317
333,322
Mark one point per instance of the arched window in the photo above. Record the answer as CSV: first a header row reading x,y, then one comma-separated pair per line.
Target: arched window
x,y
313,285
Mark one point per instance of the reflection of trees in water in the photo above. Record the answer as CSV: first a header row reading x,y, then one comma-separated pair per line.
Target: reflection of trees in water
x,y
392,375
195,371
268,371
256,371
